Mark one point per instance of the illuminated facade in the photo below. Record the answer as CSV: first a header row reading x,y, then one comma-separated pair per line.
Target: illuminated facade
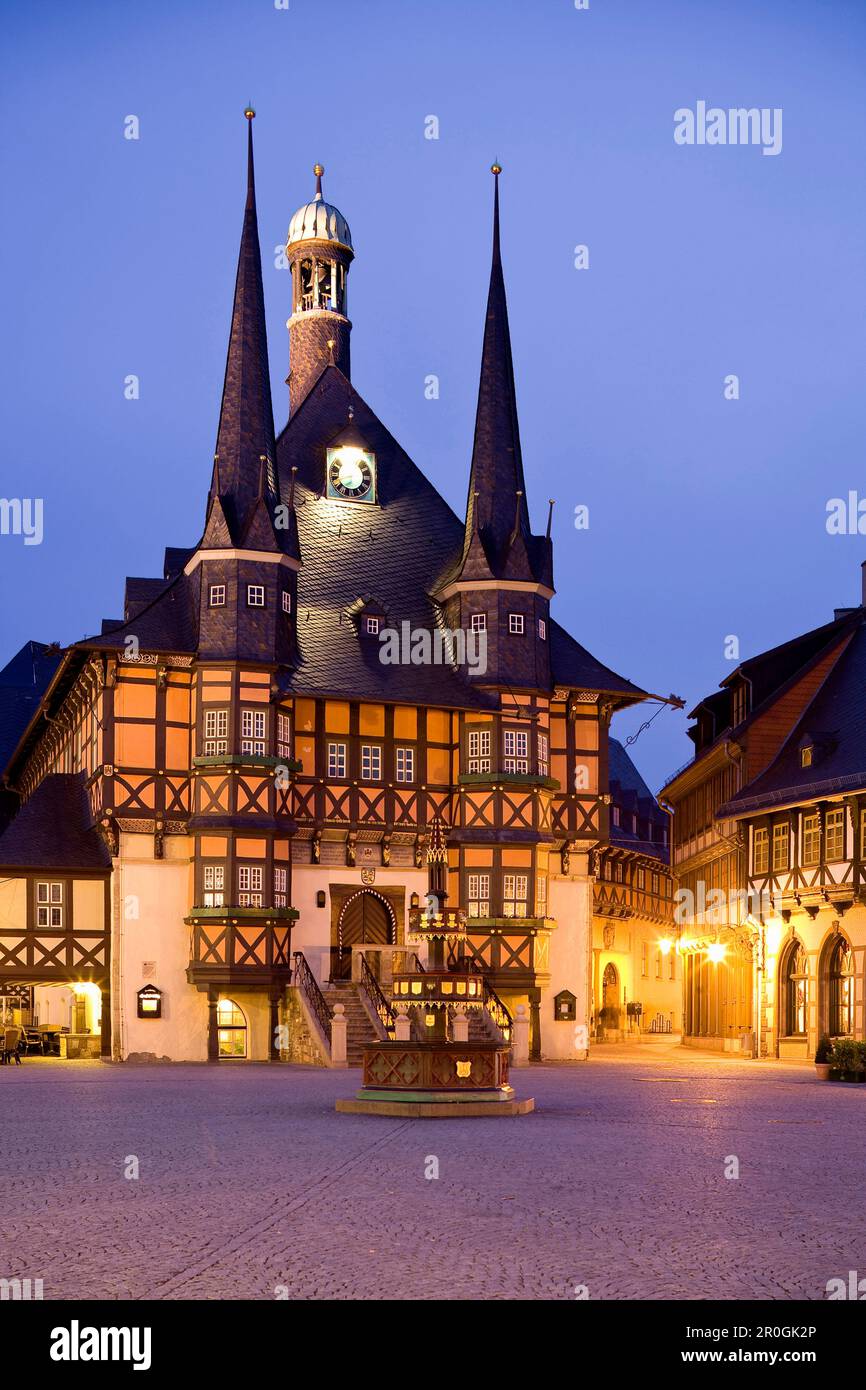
x,y
770,844
257,749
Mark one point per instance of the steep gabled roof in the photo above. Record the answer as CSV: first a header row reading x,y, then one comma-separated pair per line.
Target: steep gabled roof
x,y
836,719
630,792
23,681
54,829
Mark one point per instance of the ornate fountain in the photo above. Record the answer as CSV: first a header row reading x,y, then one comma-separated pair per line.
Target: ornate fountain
x,y
430,1068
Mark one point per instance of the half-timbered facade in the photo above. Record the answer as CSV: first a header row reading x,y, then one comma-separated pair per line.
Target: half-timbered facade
x,y
770,844
267,732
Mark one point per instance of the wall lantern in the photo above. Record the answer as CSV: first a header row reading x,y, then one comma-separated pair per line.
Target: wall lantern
x,y
414,901
321,899
149,1002
565,1006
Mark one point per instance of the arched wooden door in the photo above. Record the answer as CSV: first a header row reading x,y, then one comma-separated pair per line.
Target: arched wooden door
x,y
364,918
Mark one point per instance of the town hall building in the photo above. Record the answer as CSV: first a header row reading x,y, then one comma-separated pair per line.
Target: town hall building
x,y
220,806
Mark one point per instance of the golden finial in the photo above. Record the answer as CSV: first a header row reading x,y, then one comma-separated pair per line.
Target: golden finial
x,y
318,170
496,167
249,111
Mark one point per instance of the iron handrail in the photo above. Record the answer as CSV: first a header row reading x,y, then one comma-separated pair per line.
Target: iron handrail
x,y
378,1002
309,987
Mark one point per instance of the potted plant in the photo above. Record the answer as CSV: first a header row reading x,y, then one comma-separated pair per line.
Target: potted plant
x,y
848,1061
823,1053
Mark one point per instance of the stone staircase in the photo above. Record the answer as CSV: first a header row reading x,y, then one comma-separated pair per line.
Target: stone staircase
x,y
359,1029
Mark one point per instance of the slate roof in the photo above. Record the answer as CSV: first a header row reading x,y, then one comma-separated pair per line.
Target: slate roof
x,y
23,681
631,794
836,719
169,623
54,830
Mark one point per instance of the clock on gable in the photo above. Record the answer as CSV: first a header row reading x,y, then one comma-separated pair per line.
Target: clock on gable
x,y
351,474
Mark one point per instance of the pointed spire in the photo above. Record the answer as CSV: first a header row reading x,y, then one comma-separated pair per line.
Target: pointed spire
x,y
246,425
497,467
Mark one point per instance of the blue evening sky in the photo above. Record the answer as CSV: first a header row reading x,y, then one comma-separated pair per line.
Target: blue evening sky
x,y
707,516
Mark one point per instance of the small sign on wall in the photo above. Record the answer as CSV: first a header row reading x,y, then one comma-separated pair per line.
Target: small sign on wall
x,y
150,1002
565,1006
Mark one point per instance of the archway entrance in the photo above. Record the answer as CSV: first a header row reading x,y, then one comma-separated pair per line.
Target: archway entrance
x,y
610,987
231,1029
365,917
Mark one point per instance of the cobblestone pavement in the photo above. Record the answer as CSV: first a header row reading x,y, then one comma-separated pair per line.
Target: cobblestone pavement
x,y
250,1184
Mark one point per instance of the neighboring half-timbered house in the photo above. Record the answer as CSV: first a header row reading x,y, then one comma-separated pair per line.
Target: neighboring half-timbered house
x,y
770,847
267,733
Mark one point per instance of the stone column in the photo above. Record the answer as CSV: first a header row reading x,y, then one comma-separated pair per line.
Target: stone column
x,y
403,1027
338,1036
520,1047
460,1026
213,1047
105,1023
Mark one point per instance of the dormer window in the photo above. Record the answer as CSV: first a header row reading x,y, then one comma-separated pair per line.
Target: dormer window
x,y
806,755
372,625
739,703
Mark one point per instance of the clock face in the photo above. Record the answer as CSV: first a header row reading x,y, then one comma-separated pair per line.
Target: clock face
x,y
351,474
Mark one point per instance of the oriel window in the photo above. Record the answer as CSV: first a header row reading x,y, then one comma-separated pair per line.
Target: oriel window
x,y
254,732
213,879
478,895
284,734
479,750
516,750
250,885
281,877
216,732
515,894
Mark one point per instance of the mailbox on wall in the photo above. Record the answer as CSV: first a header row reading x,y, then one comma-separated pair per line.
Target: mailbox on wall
x,y
565,1006
150,1002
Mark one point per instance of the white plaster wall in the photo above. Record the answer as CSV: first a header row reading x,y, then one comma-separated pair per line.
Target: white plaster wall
x,y
157,890
570,903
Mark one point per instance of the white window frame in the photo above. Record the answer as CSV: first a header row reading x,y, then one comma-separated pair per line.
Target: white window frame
x,y
515,623
478,894
284,734
543,751
542,630
404,764
255,596
213,885
515,746
254,731
250,878
216,596
515,895
478,745
281,885
337,761
371,762
372,625
216,732
761,841
287,601
49,904
478,622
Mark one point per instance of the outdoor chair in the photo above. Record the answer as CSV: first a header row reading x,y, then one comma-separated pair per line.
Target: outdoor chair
x,y
11,1039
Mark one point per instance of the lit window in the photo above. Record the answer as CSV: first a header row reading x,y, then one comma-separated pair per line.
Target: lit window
x,y
672,963
371,762
280,886
658,965
217,595
806,756
253,731
249,885
287,601
255,595
515,892
618,871
543,756
541,895
478,896
795,985
761,854
284,735
640,878
780,847
617,818
214,885
643,957
542,630
231,1029
515,622
811,840
405,764
834,835
371,625
516,747
479,750
654,884
216,732
863,834
478,622
336,760
49,905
